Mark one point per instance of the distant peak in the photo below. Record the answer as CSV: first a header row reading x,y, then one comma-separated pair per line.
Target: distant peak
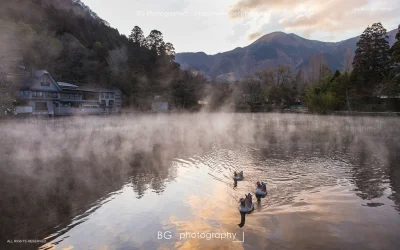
x,y
277,33
277,36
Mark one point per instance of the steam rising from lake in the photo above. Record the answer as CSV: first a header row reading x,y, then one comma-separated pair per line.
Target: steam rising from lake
x,y
51,169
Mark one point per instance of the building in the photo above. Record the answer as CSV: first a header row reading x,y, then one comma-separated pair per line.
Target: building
x,y
40,94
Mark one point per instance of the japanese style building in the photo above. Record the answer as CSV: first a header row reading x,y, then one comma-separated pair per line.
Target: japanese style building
x,y
40,94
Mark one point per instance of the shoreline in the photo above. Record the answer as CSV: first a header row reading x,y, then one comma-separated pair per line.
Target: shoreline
x,y
334,113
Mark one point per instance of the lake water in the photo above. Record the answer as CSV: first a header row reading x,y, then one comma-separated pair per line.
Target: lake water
x,y
165,182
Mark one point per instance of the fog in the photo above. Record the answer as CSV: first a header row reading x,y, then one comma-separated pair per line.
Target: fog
x,y
52,169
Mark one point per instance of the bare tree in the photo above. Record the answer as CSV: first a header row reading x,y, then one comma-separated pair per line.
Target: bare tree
x,y
348,60
316,67
117,60
275,76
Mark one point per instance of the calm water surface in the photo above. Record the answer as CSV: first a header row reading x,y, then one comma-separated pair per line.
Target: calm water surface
x,y
114,183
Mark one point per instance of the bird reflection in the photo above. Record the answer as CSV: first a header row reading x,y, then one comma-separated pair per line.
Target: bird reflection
x,y
258,202
242,219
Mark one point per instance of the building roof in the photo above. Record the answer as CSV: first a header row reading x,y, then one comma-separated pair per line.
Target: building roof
x,y
97,90
66,85
28,81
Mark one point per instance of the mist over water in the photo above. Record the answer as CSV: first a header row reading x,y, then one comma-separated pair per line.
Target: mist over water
x,y
114,182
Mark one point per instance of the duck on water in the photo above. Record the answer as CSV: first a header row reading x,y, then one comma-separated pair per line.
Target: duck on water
x,y
261,189
238,176
246,206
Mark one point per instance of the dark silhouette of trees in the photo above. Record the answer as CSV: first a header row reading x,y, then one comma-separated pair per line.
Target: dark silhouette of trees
x,y
392,86
155,42
371,58
137,36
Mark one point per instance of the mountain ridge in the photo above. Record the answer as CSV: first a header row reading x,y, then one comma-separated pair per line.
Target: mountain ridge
x,y
268,51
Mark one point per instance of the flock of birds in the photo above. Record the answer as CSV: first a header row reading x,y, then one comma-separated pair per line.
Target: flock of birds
x,y
246,204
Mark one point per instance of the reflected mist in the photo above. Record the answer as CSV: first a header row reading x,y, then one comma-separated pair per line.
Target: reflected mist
x,y
114,182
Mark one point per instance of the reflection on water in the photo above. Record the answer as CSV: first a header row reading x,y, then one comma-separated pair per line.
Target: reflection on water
x,y
115,183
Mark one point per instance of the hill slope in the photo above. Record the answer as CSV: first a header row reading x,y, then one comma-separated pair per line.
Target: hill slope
x,y
270,50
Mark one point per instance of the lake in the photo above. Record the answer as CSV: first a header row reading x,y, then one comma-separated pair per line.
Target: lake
x,y
165,182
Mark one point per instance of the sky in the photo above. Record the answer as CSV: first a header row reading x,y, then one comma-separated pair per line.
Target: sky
x,y
214,26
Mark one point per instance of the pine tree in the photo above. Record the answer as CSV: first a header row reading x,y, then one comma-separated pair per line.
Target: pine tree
x,y
395,50
137,36
170,51
370,63
155,42
393,83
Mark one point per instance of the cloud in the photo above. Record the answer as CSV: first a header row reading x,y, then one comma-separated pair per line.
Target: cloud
x,y
254,35
333,17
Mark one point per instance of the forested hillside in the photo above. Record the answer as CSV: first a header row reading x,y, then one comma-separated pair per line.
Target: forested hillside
x,y
75,45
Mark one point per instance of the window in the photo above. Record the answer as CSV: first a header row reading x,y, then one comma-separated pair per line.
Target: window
x,y
70,96
111,103
24,93
40,105
90,106
90,96
45,84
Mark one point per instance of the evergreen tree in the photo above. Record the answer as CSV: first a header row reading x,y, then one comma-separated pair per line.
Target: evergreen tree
x,y
392,86
155,42
371,58
395,50
137,36
170,51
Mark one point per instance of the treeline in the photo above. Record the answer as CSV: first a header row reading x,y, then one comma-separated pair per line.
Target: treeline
x,y
369,82
76,46
373,84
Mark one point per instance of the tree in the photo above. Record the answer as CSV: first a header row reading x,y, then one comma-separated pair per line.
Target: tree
x,y
137,36
370,63
170,51
321,97
6,96
348,60
395,50
317,67
155,42
279,75
392,86
117,61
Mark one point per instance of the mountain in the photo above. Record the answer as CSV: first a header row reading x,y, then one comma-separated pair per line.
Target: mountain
x,y
270,50
86,9
71,42
63,36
